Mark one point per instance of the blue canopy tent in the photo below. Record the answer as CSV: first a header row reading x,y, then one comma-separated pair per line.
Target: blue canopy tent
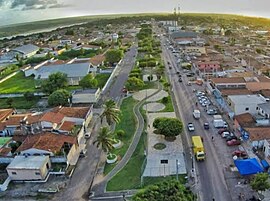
x,y
248,166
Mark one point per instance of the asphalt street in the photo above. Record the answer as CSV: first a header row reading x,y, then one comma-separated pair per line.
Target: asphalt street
x,y
210,183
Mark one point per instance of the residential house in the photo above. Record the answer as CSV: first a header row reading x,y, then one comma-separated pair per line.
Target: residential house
x,y
86,96
51,144
97,61
89,47
26,51
207,68
32,124
13,123
29,168
51,120
245,103
242,121
75,70
78,115
66,127
258,135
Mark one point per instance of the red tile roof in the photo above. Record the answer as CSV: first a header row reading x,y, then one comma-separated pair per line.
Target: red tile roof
x,y
4,113
257,86
67,126
245,119
15,120
76,112
52,117
46,141
97,60
258,133
31,119
228,92
2,126
228,80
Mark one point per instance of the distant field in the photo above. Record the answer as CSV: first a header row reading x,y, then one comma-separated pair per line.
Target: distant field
x,y
24,28
186,18
18,84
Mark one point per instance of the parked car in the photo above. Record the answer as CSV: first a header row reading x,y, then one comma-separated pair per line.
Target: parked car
x,y
233,142
229,138
220,131
200,93
177,72
240,153
190,127
206,126
225,134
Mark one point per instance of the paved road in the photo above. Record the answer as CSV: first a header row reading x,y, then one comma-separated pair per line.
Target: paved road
x,y
81,180
211,183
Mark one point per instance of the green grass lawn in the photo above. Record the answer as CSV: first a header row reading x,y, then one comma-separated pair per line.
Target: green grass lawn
x,y
18,84
102,79
130,176
128,124
19,103
168,105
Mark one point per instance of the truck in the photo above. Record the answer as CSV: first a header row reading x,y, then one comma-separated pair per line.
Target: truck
x,y
198,148
196,114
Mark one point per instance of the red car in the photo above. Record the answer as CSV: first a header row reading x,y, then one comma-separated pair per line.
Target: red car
x,y
240,153
220,131
233,142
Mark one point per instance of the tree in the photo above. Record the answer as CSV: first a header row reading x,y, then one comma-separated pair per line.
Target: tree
x,y
114,56
59,97
104,140
260,182
168,190
28,96
9,101
170,127
111,112
88,81
134,83
54,82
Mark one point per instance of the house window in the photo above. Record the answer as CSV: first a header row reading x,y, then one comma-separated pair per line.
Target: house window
x,y
247,108
37,173
13,173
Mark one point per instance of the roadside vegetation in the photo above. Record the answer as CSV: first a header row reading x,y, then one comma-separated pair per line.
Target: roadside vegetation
x,y
18,103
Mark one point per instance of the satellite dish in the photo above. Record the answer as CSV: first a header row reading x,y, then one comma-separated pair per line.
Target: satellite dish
x,y
235,157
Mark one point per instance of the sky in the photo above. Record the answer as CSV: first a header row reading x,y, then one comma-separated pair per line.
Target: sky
x,y
18,11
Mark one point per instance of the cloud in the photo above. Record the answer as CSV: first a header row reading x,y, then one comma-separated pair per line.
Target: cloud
x,y
31,4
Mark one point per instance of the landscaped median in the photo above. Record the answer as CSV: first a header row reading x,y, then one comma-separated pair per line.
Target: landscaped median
x,y
128,125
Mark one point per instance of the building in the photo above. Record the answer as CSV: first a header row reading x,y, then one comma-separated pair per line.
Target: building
x,y
207,68
240,104
86,96
29,168
264,110
26,51
195,50
183,37
228,83
75,70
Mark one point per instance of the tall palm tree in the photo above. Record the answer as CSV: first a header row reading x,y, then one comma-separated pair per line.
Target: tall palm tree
x,y
104,140
111,112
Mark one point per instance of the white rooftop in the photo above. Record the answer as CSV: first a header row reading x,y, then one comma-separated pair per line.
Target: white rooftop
x,y
240,99
29,162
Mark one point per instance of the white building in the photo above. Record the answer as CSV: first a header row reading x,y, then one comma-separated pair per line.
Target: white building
x,y
28,168
26,51
245,103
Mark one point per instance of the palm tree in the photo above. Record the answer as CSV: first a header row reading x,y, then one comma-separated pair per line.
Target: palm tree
x,y
104,140
111,112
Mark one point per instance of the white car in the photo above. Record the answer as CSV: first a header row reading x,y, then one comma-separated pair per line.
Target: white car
x,y
225,134
190,127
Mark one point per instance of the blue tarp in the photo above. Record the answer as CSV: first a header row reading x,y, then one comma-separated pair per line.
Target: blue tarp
x,y
265,164
248,166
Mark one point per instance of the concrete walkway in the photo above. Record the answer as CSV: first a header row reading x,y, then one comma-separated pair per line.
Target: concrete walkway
x,y
99,187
